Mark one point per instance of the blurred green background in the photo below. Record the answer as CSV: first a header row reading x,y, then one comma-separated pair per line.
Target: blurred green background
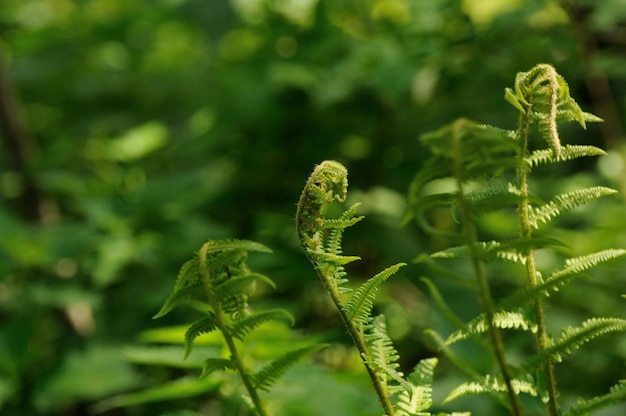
x,y
135,130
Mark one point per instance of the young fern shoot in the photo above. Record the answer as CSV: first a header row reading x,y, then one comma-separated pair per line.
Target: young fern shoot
x,y
320,238
218,279
497,165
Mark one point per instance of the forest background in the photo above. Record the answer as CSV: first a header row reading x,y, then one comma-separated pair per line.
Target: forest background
x,y
133,131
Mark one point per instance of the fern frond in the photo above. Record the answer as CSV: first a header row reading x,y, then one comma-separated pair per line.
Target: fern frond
x,y
568,152
216,246
501,319
573,269
573,338
220,255
383,357
182,295
187,274
486,251
216,364
269,374
493,197
203,325
362,301
566,201
237,285
337,226
493,385
332,259
616,395
419,398
242,327
510,250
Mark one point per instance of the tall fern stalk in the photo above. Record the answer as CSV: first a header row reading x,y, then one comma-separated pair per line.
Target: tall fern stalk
x,y
481,159
546,85
486,302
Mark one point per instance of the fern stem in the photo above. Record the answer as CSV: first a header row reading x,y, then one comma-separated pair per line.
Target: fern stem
x,y
220,322
357,339
486,300
541,337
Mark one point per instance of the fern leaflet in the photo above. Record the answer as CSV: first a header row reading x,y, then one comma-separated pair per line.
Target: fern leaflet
x,y
573,337
568,152
360,305
201,326
616,394
212,365
492,385
269,374
567,201
573,269
242,327
415,401
501,319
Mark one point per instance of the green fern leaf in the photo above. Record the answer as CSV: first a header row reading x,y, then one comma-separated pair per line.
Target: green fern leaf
x,y
573,269
332,259
419,398
216,364
269,374
337,226
487,251
573,338
216,246
362,301
493,197
201,326
492,385
568,152
242,327
383,357
510,250
566,201
182,295
501,319
187,274
616,395
241,284
219,255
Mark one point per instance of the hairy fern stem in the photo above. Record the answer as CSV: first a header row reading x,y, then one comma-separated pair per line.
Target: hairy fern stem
x,y
360,344
525,229
220,323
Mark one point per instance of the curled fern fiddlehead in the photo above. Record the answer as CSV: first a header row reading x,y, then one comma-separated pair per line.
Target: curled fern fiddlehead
x,y
320,238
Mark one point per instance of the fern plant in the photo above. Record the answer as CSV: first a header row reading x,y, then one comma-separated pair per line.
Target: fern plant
x,y
491,170
321,239
217,281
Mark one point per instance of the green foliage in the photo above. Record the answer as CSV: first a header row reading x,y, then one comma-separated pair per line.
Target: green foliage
x,y
320,238
482,160
151,125
219,277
